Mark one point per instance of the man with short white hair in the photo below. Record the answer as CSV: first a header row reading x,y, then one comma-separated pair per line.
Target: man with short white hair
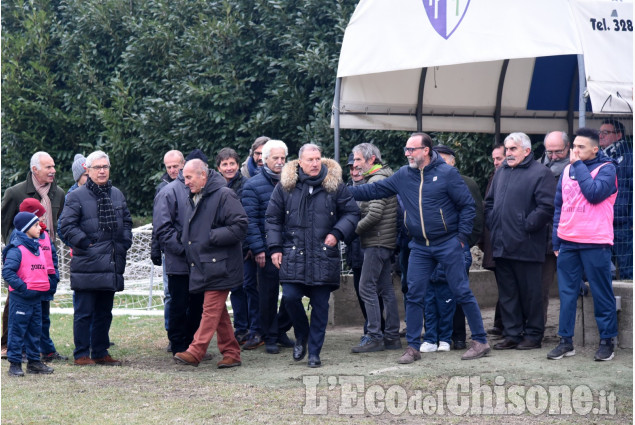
x,y
39,184
274,322
96,222
518,208
174,162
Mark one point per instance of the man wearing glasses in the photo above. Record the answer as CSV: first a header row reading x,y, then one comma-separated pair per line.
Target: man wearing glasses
x,y
438,212
556,155
556,158
96,222
615,146
254,163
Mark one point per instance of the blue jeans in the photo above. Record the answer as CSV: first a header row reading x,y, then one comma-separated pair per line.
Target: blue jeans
x,y
596,264
376,284
423,260
25,327
319,298
91,323
245,301
46,343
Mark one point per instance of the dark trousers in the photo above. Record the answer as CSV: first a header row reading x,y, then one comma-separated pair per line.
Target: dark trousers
x,y
548,273
596,264
520,297
375,285
459,332
5,321
245,301
46,343
91,323
404,257
185,312
274,321
357,274
319,299
25,327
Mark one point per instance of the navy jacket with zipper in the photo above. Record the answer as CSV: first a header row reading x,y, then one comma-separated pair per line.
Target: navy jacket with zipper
x,y
437,203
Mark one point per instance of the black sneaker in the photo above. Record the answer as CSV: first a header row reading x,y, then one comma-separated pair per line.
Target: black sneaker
x,y
564,349
51,357
369,345
16,369
38,367
605,351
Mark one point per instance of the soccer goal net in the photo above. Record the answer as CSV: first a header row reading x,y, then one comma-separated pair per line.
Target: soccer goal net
x,y
143,293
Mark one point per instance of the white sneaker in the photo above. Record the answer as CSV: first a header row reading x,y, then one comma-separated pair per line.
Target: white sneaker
x,y
443,346
426,347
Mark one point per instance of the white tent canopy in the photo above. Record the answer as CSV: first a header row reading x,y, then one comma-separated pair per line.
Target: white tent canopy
x,y
493,66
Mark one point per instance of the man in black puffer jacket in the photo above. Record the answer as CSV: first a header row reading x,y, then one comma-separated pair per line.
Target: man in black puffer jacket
x,y
97,224
214,224
310,211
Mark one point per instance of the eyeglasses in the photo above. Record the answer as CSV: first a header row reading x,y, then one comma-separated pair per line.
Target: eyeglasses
x,y
411,150
257,153
607,132
558,152
101,167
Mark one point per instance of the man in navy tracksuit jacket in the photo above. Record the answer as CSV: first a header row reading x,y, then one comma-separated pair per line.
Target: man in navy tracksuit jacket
x,y
439,212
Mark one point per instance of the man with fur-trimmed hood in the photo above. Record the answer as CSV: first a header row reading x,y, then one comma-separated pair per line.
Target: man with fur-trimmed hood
x,y
310,211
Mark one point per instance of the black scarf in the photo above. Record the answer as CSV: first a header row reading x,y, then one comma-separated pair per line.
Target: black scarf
x,y
107,217
308,182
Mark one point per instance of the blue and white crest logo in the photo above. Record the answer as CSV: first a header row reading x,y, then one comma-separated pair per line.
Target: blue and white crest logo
x,y
445,15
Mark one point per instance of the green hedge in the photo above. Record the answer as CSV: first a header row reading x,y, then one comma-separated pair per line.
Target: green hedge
x,y
136,78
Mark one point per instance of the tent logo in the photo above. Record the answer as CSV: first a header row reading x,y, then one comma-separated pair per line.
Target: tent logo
x,y
445,15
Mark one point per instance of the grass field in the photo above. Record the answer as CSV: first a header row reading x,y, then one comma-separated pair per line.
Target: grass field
x,y
149,388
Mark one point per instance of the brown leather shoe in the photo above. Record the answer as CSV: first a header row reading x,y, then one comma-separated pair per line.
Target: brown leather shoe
x,y
476,351
185,358
84,361
107,361
506,344
409,356
228,362
207,357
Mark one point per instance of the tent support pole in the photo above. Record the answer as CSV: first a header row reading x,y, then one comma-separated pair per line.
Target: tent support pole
x,y
336,119
572,97
419,111
581,101
499,97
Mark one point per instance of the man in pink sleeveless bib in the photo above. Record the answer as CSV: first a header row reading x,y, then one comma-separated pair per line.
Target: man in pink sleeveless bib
x,y
582,240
